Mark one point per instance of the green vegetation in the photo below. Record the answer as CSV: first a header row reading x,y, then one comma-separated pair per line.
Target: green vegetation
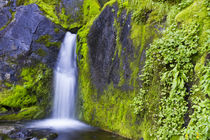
x,y
171,59
31,98
56,13
112,111
166,97
45,39
198,127
90,8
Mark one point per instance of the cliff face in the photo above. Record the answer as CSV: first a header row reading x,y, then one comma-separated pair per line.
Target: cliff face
x,y
110,60
162,43
29,44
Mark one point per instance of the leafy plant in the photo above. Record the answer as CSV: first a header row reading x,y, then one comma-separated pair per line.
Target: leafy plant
x,y
172,56
198,127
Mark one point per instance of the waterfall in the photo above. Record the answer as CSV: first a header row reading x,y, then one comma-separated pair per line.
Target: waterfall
x,y
65,79
65,84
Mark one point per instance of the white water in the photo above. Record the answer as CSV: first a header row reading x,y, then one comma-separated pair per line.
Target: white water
x,y
65,78
65,84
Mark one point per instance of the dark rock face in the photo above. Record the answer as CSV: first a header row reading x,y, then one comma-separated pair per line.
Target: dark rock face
x,y
5,16
104,59
73,8
18,37
102,2
127,46
18,41
102,44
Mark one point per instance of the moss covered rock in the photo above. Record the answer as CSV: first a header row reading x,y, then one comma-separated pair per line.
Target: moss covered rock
x,y
111,56
29,47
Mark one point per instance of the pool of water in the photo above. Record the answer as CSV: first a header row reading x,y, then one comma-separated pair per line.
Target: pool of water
x,y
87,133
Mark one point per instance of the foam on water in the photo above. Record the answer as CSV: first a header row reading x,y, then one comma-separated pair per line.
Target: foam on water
x,y
59,124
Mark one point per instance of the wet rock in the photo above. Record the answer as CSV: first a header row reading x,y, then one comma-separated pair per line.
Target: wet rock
x,y
7,76
5,16
3,3
44,133
20,133
18,36
73,9
28,39
102,44
105,55
102,2
6,129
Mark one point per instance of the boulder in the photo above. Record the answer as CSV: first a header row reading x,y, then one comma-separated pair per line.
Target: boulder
x,y
29,38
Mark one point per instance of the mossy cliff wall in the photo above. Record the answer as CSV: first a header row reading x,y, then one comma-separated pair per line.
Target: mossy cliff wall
x,y
29,44
151,39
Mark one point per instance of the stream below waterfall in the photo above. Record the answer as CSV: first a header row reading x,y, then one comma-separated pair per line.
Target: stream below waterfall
x,y
51,134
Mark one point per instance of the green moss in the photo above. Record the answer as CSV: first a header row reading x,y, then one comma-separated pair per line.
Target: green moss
x,y
41,52
24,114
196,11
19,98
91,8
111,110
31,97
50,9
198,127
20,2
56,30
45,39
101,111
3,110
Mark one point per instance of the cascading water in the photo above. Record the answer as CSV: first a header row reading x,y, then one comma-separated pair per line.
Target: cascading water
x,y
65,84
65,76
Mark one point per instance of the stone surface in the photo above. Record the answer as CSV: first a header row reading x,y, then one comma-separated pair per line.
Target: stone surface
x,y
73,8
102,44
5,16
3,3
18,41
102,2
6,129
105,57
19,131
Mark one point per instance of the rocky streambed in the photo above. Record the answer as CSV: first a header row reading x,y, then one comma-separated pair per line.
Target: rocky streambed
x,y
20,131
